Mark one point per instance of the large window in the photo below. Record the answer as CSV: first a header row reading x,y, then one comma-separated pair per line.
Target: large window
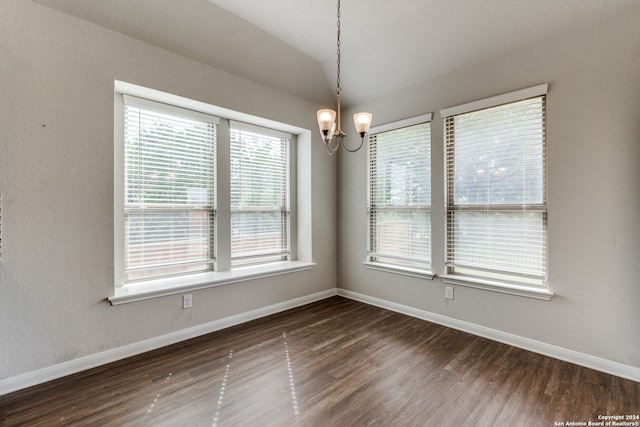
x,y
199,194
259,195
400,194
496,206
169,173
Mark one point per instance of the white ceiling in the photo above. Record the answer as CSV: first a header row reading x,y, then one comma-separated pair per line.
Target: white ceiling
x,y
386,45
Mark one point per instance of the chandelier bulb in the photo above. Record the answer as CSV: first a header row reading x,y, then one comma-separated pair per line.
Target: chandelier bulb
x,y
362,122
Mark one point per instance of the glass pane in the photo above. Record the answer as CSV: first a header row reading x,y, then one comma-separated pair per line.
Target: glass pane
x,y
168,160
154,239
258,235
259,175
499,155
402,238
401,167
506,241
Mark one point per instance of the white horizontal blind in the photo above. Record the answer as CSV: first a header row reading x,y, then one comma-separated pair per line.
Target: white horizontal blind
x,y
259,195
169,168
496,192
400,196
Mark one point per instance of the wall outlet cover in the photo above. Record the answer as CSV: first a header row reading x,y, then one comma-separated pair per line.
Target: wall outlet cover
x,y
187,301
448,292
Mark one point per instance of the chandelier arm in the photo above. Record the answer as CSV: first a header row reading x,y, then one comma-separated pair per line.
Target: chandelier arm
x,y
332,150
353,151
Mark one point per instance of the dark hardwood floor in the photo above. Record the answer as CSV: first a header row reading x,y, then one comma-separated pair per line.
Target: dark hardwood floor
x,y
336,362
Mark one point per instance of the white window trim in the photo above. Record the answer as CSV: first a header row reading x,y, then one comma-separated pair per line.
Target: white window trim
x,y
398,269
135,101
259,129
494,101
301,247
536,292
425,273
531,291
423,118
175,285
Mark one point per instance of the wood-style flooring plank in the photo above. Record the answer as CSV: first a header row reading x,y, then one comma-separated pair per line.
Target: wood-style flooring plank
x,y
336,362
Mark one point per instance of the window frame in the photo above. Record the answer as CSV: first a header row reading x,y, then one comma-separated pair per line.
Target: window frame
x,y
420,271
176,114
284,208
506,282
301,257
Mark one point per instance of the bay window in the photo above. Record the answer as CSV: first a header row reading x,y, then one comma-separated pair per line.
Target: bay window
x,y
199,194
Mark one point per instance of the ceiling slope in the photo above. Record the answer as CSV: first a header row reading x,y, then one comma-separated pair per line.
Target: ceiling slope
x,y
290,45
202,31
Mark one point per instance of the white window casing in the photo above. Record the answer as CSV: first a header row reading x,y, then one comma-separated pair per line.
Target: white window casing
x,y
496,199
163,144
260,188
169,186
399,197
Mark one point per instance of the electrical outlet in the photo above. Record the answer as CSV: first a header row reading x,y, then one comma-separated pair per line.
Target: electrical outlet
x,y
187,301
448,292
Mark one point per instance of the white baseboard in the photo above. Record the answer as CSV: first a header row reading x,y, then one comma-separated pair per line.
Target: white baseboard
x,y
49,373
582,359
43,375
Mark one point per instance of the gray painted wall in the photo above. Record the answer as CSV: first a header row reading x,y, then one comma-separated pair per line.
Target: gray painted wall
x,y
57,191
593,139
56,178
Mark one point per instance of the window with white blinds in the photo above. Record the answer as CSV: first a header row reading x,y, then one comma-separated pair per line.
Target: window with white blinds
x,y
399,204
496,206
259,195
169,201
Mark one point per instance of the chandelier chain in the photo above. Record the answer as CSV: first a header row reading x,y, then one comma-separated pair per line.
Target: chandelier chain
x,y
338,89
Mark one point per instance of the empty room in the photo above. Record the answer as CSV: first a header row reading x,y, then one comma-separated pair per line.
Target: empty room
x,y
319,213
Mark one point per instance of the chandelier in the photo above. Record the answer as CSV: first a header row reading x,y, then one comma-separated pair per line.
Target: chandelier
x,y
331,130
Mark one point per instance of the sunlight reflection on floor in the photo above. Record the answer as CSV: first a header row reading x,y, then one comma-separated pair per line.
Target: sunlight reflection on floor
x,y
216,416
273,375
153,404
292,386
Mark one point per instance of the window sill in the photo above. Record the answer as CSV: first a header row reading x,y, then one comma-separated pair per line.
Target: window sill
x,y
505,288
406,271
176,285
